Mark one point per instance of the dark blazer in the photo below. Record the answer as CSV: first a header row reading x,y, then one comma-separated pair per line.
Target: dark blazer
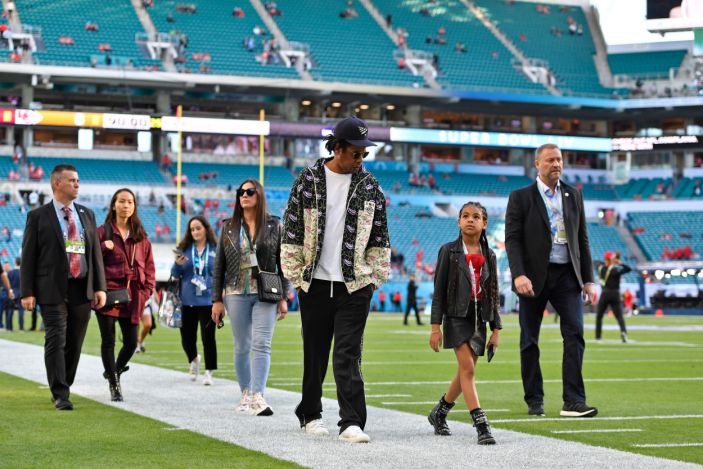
x,y
528,236
452,286
44,272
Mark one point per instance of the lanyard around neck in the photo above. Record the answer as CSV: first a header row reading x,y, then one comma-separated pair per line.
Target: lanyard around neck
x,y
200,262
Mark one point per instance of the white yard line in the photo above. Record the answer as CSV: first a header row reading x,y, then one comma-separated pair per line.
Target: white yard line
x,y
596,430
399,439
667,445
591,419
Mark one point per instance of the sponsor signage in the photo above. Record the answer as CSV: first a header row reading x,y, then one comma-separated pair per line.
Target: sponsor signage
x,y
126,121
215,126
498,139
656,143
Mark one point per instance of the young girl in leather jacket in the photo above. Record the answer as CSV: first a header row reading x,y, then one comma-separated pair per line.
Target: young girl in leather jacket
x,y
465,299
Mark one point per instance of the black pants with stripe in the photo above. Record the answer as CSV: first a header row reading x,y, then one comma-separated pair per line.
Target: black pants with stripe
x,y
329,311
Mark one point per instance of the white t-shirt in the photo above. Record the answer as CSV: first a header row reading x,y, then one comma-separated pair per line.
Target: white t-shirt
x,y
330,265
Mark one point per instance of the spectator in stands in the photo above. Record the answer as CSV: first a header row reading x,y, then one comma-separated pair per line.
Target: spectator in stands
x,y
195,267
465,299
348,13
381,301
335,295
411,302
169,18
6,234
523,37
129,264
249,243
424,11
460,47
609,275
397,260
237,12
90,26
258,31
550,266
33,199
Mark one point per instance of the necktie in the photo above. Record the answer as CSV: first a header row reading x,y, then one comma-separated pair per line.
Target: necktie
x,y
74,259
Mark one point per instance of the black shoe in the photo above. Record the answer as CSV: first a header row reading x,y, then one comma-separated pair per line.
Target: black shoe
x,y
623,336
483,429
438,417
536,409
63,404
113,380
578,409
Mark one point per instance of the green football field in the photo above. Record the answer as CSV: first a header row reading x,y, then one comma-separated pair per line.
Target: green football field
x,y
649,392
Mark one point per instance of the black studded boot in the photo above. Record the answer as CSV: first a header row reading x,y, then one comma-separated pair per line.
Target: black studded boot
x,y
113,380
482,427
438,417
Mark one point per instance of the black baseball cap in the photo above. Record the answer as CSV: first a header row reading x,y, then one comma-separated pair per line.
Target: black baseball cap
x,y
354,131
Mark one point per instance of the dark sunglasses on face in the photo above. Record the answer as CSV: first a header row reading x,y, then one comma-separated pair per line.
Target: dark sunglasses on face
x,y
360,154
250,192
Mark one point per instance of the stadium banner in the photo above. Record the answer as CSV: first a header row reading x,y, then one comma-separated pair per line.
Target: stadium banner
x,y
498,139
58,118
657,143
216,126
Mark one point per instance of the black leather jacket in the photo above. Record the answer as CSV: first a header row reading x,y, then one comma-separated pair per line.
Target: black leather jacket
x,y
268,256
452,286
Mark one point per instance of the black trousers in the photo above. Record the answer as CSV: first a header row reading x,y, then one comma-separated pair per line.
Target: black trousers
x,y
329,311
609,298
564,292
65,325
408,307
107,344
192,315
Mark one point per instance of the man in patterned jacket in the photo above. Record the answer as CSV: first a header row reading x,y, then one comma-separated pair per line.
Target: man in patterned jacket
x,y
336,252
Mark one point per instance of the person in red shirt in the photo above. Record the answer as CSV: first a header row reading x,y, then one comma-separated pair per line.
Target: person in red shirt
x,y
129,264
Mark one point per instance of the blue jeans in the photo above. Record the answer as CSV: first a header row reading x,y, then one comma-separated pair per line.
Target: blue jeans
x,y
252,327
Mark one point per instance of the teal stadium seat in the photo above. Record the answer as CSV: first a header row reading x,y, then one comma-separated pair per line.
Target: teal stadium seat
x,y
214,30
646,64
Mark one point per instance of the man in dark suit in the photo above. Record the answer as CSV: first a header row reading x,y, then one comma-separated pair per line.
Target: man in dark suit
x,y
62,271
550,260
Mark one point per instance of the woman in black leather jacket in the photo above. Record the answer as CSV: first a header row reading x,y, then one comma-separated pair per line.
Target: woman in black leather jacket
x,y
465,299
249,243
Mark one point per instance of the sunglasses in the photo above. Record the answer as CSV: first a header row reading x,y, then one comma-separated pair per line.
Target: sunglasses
x,y
250,192
360,154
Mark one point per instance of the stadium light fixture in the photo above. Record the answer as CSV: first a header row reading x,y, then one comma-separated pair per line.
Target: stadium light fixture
x,y
684,274
659,274
390,107
306,102
336,104
676,272
364,107
667,275
691,271
700,274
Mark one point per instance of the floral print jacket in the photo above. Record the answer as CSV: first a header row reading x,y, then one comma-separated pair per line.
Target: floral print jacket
x,y
366,246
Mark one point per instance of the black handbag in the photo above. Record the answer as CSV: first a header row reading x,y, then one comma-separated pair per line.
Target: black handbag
x,y
269,287
119,297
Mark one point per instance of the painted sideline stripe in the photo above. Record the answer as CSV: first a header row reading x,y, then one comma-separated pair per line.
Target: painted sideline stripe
x,y
517,381
502,362
602,430
667,445
466,411
388,395
591,419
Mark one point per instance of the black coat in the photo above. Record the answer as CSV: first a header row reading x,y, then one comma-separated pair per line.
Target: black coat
x,y
44,273
227,259
452,286
528,235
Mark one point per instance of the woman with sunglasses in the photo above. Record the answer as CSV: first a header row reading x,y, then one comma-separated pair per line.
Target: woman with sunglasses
x,y
194,266
249,243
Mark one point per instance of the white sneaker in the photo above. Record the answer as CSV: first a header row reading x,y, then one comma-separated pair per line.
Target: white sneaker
x,y
316,427
207,379
195,368
244,402
354,434
259,407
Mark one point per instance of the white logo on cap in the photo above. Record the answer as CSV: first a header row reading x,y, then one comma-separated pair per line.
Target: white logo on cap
x,y
363,130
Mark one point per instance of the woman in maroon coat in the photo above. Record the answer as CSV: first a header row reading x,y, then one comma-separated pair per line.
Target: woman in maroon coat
x,y
128,264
